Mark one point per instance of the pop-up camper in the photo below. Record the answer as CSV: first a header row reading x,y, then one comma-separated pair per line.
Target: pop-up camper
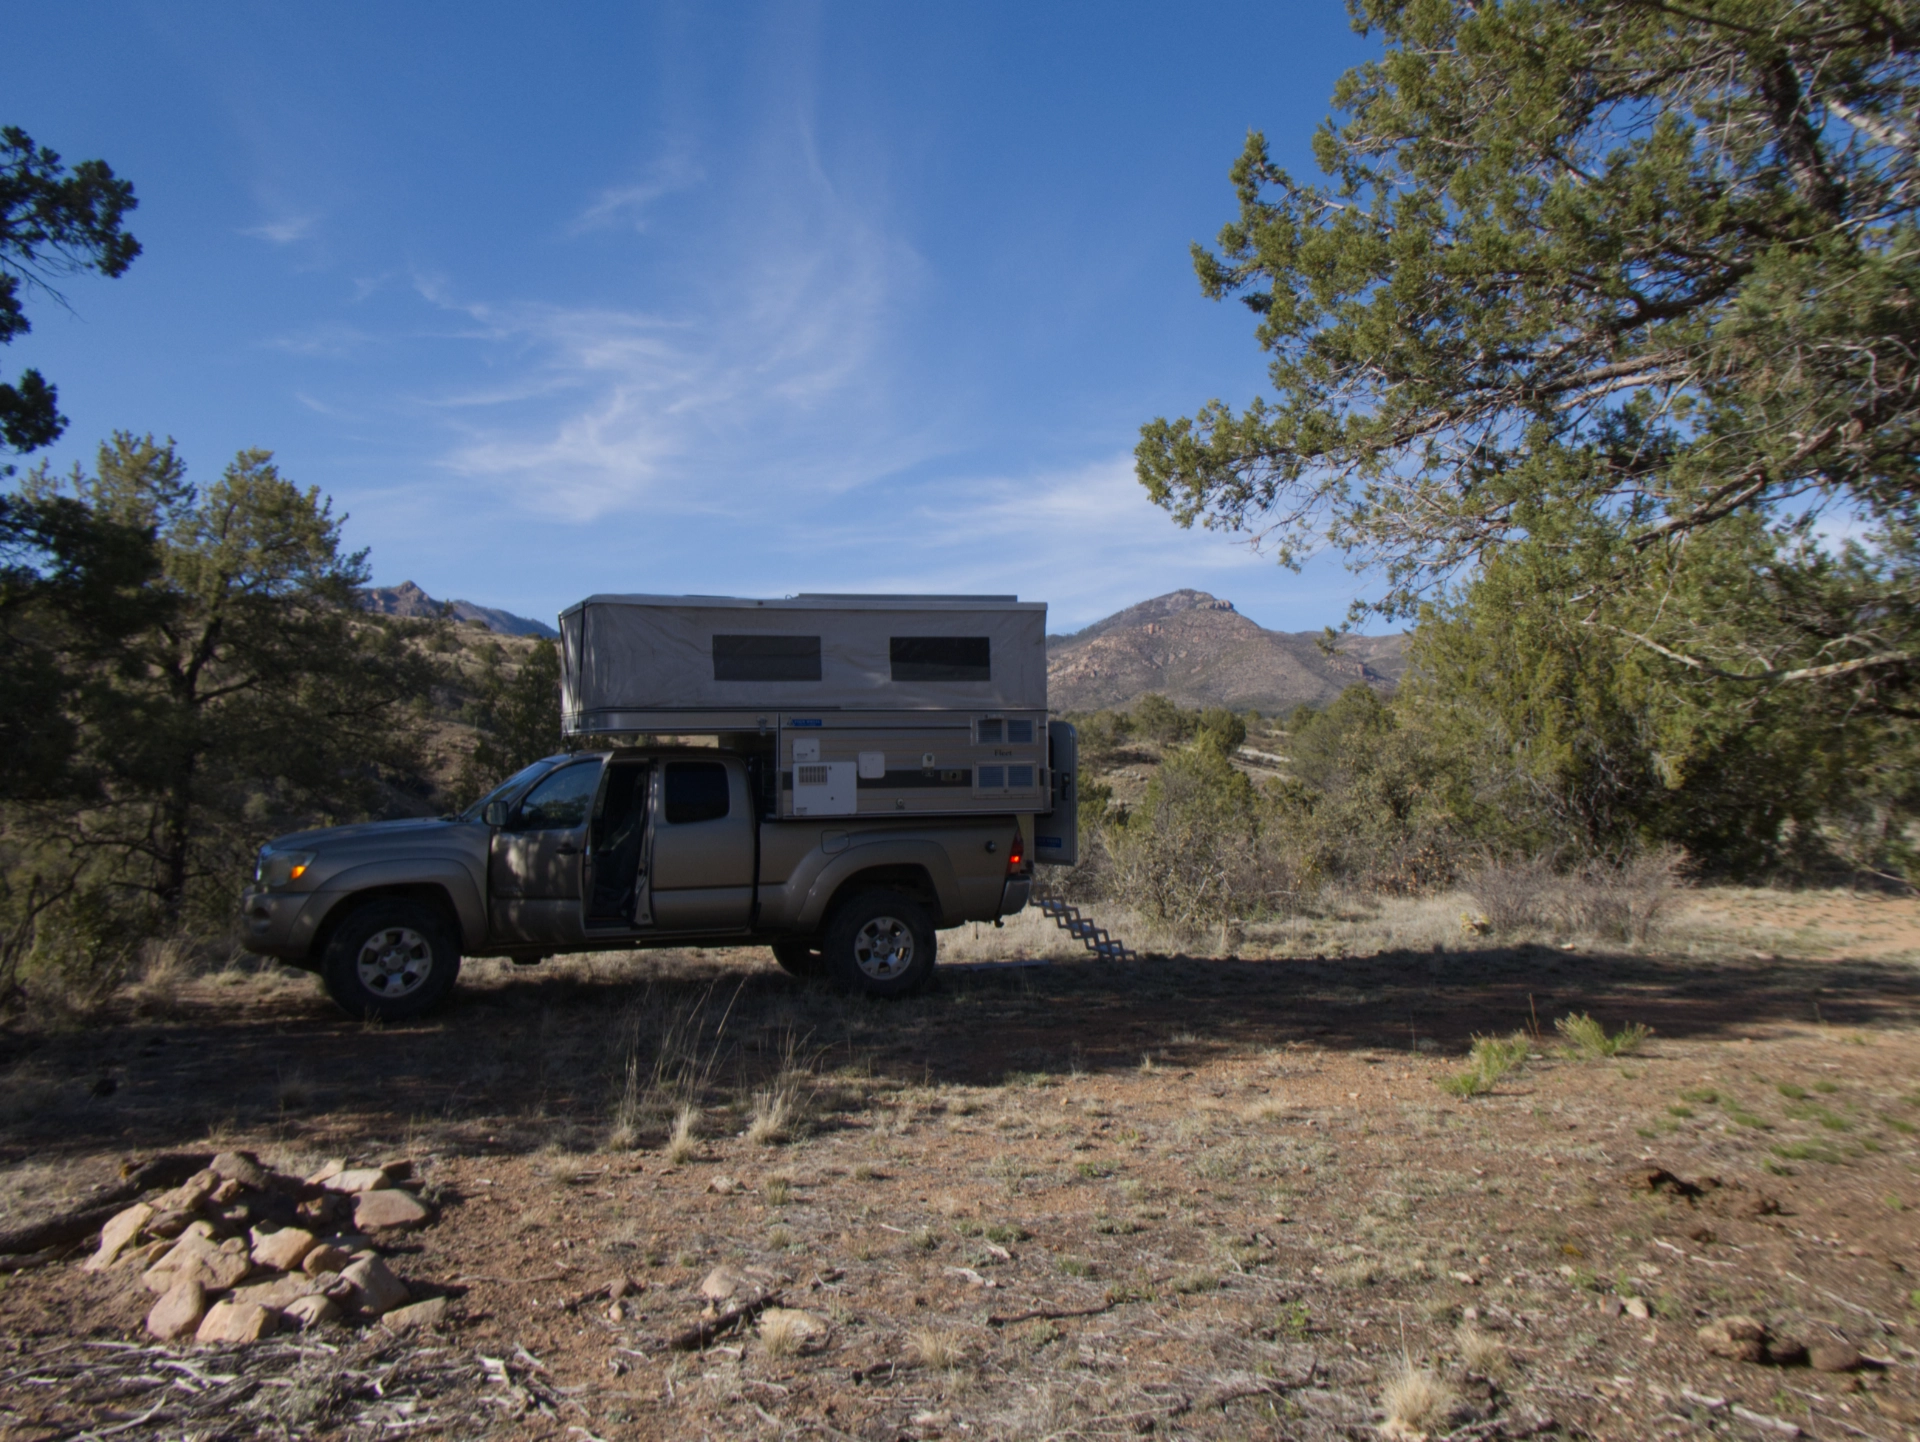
x,y
928,705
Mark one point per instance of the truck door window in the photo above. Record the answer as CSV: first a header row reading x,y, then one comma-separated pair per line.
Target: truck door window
x,y
695,791
560,802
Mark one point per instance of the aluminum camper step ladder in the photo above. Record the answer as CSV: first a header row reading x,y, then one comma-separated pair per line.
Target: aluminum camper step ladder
x,y
1082,928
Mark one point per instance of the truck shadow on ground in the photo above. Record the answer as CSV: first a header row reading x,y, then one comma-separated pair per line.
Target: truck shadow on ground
x,y
528,1059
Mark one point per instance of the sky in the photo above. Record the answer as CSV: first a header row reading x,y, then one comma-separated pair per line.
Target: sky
x,y
732,298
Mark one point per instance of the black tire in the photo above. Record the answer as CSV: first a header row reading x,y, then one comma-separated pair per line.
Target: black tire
x,y
798,957
391,960
879,943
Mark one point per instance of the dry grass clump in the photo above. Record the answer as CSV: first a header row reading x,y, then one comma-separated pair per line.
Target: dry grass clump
x,y
1616,901
786,1331
942,1351
1416,1402
1588,1038
683,1141
1480,1353
775,1115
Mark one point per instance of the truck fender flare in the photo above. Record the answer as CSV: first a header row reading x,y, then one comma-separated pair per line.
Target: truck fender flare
x,y
445,875
927,856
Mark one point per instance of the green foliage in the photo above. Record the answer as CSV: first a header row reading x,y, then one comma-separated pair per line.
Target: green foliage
x,y
53,222
517,714
1588,1038
1158,719
246,694
1189,853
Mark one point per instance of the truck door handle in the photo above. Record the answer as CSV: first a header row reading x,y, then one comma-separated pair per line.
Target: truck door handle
x,y
567,848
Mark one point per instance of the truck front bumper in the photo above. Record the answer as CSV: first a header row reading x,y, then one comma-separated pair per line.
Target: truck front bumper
x,y
280,923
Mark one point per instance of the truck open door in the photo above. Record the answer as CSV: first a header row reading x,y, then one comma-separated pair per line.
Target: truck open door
x,y
1056,835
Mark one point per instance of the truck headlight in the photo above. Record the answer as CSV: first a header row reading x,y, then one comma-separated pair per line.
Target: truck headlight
x,y
276,869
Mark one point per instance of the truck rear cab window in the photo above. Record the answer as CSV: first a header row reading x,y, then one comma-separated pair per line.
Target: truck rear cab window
x,y
766,658
940,658
695,791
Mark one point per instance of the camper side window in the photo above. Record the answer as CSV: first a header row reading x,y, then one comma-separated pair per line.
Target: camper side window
x,y
695,791
941,658
766,658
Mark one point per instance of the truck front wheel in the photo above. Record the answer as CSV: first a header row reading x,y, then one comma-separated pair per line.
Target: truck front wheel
x,y
879,943
391,960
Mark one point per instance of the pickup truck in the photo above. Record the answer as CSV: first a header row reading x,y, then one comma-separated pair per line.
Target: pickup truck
x,y
629,848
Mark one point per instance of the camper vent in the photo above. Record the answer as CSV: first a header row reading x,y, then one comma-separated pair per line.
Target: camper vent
x,y
811,775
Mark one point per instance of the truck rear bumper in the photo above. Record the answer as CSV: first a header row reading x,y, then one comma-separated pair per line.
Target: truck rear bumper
x,y
1014,897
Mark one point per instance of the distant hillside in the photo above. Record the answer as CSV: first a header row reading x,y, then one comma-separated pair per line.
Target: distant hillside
x,y
1196,650
407,599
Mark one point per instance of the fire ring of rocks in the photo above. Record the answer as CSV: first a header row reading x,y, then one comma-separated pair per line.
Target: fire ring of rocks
x,y
240,1251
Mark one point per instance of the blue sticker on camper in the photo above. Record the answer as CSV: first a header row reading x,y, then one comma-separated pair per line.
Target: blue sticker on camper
x,y
1052,843
792,722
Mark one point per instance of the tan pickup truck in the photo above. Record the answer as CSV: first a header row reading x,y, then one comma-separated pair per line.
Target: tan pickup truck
x,y
626,848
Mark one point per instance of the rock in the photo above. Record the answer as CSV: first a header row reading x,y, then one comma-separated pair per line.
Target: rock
x,y
117,1233
1637,1307
1611,1306
326,1258
283,1250
237,1322
324,1209
1786,1352
1740,1338
190,1195
429,1314
724,1186
388,1210
280,1292
195,1242
240,1167
372,1288
178,1312
144,1256
328,1171
400,1169
1833,1356
310,1311
169,1223
228,1191
723,1283
359,1179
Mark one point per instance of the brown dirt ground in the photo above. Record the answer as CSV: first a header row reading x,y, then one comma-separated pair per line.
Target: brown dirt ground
x,y
1244,1164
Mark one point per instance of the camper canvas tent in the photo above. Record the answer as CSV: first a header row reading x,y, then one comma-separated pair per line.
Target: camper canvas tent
x,y
661,656
928,704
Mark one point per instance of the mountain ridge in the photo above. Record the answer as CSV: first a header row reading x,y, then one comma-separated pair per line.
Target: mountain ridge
x,y
407,599
1197,650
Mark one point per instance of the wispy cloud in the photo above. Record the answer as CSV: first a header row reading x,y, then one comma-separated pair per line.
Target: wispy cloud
x,y
627,204
769,375
285,231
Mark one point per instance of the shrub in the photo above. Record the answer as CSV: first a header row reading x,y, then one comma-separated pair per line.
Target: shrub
x,y
1588,1038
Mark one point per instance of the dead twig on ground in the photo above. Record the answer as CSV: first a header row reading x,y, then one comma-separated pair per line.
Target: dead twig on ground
x,y
1052,1314
704,1332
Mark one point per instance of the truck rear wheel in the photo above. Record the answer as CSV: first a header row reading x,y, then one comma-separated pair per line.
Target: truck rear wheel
x,y
798,957
391,960
879,943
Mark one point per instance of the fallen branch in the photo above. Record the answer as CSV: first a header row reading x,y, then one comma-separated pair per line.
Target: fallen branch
x,y
701,1334
1052,1314
81,1222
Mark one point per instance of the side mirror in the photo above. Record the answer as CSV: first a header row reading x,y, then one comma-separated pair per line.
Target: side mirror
x,y
496,813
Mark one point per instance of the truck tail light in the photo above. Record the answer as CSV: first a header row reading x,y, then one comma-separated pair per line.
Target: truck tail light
x,y
1015,856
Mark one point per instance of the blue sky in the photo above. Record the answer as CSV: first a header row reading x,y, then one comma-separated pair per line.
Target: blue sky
x,y
726,298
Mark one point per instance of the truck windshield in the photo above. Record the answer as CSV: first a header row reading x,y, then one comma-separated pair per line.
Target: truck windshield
x,y
507,787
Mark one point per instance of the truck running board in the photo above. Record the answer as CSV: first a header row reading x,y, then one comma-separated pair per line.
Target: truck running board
x,y
1068,918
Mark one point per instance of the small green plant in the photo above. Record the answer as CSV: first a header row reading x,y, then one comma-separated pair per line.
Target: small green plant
x,y
1490,1059
1791,1092
1292,1322
1808,1152
1899,1124
924,1239
1814,1112
1826,1088
1739,1116
1588,1038
1706,1096
1003,1233
1075,1266
1681,1110
1090,1171
1188,1284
